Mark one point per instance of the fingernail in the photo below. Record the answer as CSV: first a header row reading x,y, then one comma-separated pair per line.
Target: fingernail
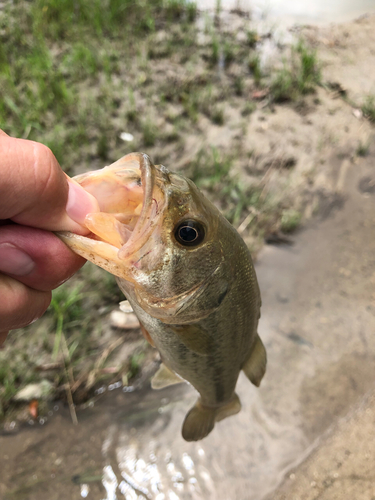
x,y
80,203
15,261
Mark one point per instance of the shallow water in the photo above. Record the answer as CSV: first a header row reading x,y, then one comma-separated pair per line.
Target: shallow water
x,y
297,11
318,318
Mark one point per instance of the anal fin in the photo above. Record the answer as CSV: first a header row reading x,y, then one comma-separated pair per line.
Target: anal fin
x,y
164,377
255,365
201,419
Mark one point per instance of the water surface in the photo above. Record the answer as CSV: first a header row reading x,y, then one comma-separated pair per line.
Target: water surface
x,y
299,11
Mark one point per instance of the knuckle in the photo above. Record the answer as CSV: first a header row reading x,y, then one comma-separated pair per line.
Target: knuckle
x,y
44,166
42,151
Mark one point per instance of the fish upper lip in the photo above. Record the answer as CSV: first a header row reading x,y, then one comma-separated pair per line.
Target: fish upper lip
x,y
143,227
140,233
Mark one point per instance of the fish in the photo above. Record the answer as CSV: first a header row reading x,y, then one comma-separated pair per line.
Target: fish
x,y
188,276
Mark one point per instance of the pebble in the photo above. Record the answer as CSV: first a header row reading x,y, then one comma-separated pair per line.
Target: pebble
x,y
41,390
127,321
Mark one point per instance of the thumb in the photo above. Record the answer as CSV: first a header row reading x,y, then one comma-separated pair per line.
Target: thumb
x,y
34,191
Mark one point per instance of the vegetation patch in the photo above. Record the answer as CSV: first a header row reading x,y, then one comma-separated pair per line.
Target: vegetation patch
x,y
368,108
299,76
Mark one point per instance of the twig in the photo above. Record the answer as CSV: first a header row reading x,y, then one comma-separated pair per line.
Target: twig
x,y
248,220
69,378
99,362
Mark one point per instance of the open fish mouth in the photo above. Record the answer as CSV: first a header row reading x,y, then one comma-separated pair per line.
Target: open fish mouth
x,y
130,201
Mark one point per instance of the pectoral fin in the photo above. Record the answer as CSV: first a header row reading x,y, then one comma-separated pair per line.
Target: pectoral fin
x,y
255,365
195,338
164,377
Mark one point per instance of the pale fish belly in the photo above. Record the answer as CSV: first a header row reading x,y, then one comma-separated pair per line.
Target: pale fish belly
x,y
213,375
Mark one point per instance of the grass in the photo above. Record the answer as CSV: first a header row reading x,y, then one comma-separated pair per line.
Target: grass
x,y
255,68
368,108
67,311
363,148
290,220
212,171
299,76
66,50
150,133
217,115
248,108
252,38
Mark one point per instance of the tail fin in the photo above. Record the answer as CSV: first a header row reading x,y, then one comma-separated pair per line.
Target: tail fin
x,y
201,419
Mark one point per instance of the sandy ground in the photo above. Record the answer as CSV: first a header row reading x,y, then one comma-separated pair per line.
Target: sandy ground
x,y
342,463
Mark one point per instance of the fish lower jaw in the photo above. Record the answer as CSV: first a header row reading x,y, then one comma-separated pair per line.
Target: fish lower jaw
x,y
101,253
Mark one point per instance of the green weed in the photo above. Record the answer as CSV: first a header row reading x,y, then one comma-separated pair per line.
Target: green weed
x,y
217,115
255,68
239,86
209,167
8,384
368,108
283,86
81,61
177,9
215,50
363,148
149,132
249,108
290,220
67,312
252,38
299,76
228,52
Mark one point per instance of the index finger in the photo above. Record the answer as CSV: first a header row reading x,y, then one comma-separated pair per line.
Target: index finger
x,y
34,191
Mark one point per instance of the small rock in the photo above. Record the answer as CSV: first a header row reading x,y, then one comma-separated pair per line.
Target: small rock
x,y
125,307
127,321
126,136
40,390
283,298
367,185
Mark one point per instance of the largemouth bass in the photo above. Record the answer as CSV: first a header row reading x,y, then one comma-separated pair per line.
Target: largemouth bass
x,y
188,276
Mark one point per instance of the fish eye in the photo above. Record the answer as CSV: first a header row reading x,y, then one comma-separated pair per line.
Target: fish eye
x,y
189,233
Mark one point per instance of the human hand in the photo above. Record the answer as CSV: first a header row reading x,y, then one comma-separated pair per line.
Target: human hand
x,y
36,197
